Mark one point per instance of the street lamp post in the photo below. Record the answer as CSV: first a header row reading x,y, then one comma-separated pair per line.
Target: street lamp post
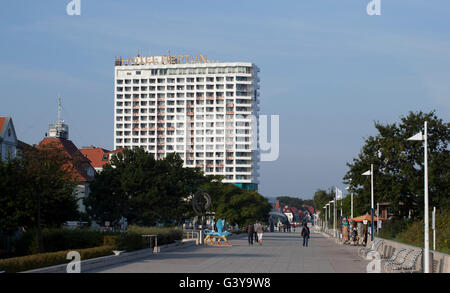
x,y
370,172
334,217
351,201
424,137
433,226
378,215
329,214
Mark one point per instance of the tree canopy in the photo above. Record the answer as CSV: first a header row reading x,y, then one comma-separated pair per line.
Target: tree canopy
x,y
237,205
294,201
399,166
142,189
148,192
37,189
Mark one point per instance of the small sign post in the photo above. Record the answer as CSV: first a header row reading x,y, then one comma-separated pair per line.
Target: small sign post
x,y
434,227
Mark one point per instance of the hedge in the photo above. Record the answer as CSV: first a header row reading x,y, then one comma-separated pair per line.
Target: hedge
x,y
90,244
412,232
58,240
35,261
133,240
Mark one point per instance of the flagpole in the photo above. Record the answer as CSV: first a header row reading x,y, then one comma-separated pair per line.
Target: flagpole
x,y
371,183
351,194
334,217
427,240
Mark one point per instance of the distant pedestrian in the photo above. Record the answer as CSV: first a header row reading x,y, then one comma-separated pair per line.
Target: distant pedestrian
x,y
250,231
255,234
354,235
305,234
259,230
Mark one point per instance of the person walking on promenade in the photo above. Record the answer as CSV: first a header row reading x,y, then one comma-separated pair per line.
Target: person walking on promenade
x,y
305,234
354,235
250,231
255,234
259,230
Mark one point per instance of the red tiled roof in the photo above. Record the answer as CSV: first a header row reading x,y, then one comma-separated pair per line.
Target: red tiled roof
x,y
97,155
80,169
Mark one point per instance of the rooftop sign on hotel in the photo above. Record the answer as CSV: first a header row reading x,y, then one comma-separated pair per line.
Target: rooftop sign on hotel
x,y
155,60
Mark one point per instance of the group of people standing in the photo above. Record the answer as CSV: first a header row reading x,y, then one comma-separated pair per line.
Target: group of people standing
x,y
285,227
255,232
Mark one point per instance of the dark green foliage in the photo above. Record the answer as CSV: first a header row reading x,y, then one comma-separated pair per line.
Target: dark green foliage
x,y
236,205
59,239
65,239
35,261
38,175
412,232
321,198
294,202
131,241
399,168
37,190
143,190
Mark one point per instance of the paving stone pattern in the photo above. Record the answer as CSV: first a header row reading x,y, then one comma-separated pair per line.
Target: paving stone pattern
x,y
280,253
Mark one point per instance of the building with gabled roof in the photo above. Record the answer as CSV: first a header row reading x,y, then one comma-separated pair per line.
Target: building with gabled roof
x,y
83,172
98,157
8,139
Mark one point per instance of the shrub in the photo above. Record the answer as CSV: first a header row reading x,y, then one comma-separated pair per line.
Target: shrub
x,y
29,262
165,235
412,233
58,240
67,239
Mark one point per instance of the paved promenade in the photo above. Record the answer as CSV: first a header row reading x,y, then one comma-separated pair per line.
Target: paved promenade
x,y
280,253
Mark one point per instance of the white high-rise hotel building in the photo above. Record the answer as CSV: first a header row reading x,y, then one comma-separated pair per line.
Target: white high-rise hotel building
x,y
196,108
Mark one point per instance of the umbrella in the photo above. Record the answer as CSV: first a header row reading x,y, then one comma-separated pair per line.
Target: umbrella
x,y
366,217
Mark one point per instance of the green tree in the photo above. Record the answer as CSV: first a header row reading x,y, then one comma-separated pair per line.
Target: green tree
x,y
142,189
398,166
37,190
294,202
237,205
321,198
16,207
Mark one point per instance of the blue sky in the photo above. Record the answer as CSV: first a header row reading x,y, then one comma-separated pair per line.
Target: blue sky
x,y
327,68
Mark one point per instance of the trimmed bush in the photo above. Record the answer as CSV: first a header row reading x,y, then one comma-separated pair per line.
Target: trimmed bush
x,y
30,262
412,233
165,235
58,240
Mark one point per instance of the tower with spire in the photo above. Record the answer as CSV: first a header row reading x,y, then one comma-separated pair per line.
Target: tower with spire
x,y
58,129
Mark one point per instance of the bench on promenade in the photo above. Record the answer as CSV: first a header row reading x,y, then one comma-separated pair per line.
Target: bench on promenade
x,y
363,251
411,266
399,260
155,248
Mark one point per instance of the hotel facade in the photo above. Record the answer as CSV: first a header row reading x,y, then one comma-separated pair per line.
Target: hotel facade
x,y
207,112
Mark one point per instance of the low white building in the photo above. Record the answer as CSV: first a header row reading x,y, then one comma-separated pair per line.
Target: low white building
x,y
8,139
